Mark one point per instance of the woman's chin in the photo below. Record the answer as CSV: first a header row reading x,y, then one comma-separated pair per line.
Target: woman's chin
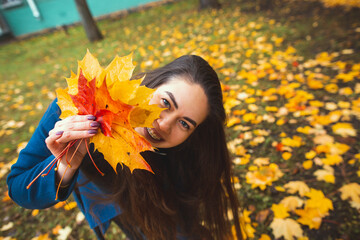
x,y
154,142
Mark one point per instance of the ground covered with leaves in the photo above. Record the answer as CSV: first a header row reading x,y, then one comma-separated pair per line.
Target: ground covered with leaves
x,y
290,74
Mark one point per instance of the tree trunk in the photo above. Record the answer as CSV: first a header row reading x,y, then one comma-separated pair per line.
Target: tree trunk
x,y
92,31
209,4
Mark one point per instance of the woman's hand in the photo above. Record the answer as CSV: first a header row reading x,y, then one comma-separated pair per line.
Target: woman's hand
x,y
65,131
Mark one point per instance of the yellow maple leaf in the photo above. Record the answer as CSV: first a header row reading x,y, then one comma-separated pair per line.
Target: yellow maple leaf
x,y
297,186
305,130
263,176
346,91
321,119
261,161
280,122
120,104
70,206
338,148
279,189
287,228
286,155
355,205
264,237
307,164
343,104
56,229
91,69
271,109
229,103
310,217
247,230
292,202
296,141
280,211
344,129
242,160
351,192
326,174
319,201
35,212
310,155
233,121
332,159
331,88
315,84
303,238
240,150
249,117
323,139
6,197
324,58
42,237
60,204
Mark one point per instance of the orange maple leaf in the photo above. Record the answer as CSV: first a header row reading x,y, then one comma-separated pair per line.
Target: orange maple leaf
x,y
118,104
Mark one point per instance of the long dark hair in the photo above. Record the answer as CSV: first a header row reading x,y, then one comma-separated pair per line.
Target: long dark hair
x,y
191,190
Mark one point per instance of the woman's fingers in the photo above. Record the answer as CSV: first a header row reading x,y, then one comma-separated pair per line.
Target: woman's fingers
x,y
68,136
73,128
57,141
51,139
77,126
79,118
76,123
76,119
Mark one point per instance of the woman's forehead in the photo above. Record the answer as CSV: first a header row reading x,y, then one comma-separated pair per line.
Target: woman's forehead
x,y
190,97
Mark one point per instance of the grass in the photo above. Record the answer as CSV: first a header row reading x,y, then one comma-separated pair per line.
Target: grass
x,y
31,70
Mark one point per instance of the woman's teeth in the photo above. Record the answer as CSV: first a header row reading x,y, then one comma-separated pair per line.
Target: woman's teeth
x,y
153,134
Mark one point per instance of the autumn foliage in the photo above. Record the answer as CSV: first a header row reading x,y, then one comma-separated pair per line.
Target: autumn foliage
x,y
118,104
294,142
291,90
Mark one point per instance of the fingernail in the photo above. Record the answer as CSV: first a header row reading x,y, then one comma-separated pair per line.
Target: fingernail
x,y
59,132
95,124
92,131
91,117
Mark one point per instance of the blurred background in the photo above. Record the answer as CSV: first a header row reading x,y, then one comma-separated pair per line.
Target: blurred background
x,y
290,71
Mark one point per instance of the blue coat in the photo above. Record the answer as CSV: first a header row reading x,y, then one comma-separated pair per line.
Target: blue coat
x,y
33,159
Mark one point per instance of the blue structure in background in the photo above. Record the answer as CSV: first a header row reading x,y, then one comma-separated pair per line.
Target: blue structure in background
x,y
21,17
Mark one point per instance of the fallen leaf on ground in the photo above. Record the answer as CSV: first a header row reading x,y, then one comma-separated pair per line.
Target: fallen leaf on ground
x,y
287,228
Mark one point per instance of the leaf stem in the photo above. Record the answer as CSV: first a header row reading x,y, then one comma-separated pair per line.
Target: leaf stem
x,y
58,187
87,148
56,161
52,163
60,156
67,167
28,186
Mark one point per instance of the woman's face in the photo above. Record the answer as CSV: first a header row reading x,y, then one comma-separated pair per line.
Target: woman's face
x,y
186,107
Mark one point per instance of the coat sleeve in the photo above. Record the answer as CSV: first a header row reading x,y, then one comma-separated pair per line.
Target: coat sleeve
x,y
32,160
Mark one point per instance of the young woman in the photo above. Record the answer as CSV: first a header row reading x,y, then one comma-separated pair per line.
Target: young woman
x,y
189,195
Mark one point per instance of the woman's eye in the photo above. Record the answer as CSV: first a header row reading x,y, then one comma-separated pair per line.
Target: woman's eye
x,y
166,103
184,124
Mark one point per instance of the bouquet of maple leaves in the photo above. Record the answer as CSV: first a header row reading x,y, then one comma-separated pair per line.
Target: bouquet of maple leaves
x,y
118,104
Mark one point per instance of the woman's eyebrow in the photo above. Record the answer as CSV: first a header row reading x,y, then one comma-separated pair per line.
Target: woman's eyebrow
x,y
171,96
190,121
172,99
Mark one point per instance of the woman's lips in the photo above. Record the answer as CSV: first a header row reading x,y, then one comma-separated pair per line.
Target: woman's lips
x,y
153,135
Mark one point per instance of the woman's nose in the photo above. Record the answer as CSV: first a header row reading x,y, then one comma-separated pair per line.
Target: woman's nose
x,y
164,123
